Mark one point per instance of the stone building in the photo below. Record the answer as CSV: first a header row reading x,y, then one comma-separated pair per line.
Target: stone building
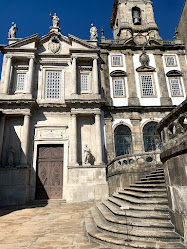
x,y
69,106
181,28
51,141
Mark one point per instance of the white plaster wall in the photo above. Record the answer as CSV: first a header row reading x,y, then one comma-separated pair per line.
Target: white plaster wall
x,y
146,101
175,100
125,121
118,101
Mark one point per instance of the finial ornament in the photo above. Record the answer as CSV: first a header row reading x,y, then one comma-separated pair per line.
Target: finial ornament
x,y
55,20
12,31
93,33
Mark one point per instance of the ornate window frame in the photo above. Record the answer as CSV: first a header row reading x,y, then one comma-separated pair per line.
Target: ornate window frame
x,y
166,60
175,75
121,60
85,71
154,95
123,85
18,72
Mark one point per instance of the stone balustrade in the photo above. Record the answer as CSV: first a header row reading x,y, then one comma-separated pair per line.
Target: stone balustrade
x,y
173,130
125,170
134,160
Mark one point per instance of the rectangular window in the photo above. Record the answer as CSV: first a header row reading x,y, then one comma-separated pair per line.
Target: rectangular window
x,y
21,80
175,87
119,88
85,86
170,61
147,85
52,85
117,60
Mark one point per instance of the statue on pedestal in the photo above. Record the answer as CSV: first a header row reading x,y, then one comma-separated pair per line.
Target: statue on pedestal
x,y
93,33
87,155
12,31
55,20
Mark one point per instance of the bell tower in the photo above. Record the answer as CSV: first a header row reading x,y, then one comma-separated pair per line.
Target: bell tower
x,y
130,17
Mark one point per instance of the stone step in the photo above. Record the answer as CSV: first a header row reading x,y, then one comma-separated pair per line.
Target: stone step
x,y
143,201
152,178
45,202
121,202
147,190
144,195
145,185
138,223
146,181
135,233
114,207
156,174
113,242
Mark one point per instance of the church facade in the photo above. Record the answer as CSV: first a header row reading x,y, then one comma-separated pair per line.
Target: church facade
x,y
70,106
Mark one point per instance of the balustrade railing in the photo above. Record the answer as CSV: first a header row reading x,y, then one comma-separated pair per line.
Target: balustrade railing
x,y
134,160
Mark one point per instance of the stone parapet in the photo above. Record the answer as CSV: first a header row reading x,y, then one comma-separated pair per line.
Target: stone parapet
x,y
173,130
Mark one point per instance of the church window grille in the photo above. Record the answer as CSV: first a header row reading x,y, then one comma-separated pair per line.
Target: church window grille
x,y
117,60
175,87
123,140
151,137
20,84
85,83
118,88
147,85
53,85
171,61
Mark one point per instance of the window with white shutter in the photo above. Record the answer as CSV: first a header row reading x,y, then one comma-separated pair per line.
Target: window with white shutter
x,y
116,60
20,83
119,88
175,87
53,85
147,85
85,84
170,61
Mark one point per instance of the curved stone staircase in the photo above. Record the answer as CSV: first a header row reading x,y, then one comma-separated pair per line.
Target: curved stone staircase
x,y
147,219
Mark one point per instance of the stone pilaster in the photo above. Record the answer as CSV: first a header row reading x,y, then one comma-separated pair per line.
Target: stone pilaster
x,y
2,126
99,160
110,147
95,76
183,66
74,140
7,75
137,135
30,76
25,140
132,90
74,74
165,100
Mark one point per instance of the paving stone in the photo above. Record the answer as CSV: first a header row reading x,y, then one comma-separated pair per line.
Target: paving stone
x,y
49,227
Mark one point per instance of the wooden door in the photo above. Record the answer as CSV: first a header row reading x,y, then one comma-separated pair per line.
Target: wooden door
x,y
49,172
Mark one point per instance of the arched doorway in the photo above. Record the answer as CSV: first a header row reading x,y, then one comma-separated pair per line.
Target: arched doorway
x,y
123,140
151,137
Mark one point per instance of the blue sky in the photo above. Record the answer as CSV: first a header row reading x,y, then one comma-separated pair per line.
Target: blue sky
x,y
76,17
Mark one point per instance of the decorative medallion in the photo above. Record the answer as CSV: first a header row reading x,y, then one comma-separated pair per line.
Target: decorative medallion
x,y
144,59
54,44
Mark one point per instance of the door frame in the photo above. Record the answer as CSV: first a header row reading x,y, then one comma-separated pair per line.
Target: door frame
x,y
33,175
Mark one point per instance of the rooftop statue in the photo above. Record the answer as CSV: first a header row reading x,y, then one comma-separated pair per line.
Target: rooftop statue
x,y
55,20
94,34
12,31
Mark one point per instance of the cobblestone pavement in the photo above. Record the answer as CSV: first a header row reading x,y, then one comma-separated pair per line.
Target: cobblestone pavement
x,y
50,227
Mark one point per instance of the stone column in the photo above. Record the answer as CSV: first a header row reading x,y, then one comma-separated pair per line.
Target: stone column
x,y
183,66
95,76
165,100
2,126
74,140
133,99
25,140
110,147
74,74
7,75
137,136
30,76
99,160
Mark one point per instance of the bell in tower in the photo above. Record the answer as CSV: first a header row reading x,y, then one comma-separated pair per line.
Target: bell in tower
x,y
136,15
